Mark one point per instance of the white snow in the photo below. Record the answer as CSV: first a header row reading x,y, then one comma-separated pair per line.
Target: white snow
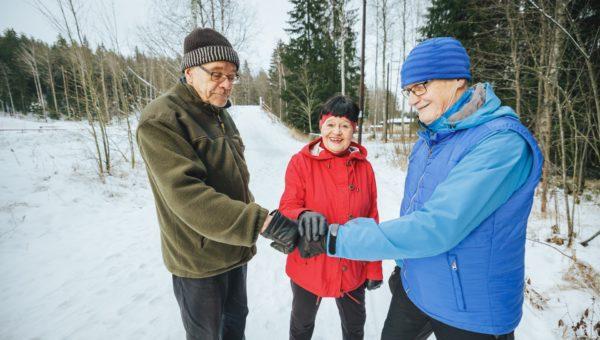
x,y
80,257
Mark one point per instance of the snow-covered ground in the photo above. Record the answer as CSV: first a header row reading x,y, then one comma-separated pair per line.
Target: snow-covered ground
x,y
80,257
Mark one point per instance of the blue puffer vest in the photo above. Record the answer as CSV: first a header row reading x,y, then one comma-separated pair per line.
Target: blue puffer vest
x,y
478,285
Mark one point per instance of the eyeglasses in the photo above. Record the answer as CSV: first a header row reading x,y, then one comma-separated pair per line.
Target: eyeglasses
x,y
219,77
418,89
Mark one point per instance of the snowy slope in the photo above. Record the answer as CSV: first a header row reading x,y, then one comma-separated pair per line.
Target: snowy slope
x,y
80,259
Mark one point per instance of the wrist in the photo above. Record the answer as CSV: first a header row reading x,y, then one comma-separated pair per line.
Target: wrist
x,y
333,230
302,213
267,221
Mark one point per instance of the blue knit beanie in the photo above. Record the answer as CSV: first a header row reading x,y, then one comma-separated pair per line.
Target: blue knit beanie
x,y
436,58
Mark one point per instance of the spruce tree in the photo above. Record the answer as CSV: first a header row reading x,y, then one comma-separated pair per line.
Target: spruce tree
x,y
312,63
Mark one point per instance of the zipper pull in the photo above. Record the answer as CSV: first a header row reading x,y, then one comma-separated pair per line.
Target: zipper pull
x,y
454,266
220,122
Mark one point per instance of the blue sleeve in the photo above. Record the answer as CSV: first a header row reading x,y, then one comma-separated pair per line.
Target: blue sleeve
x,y
478,185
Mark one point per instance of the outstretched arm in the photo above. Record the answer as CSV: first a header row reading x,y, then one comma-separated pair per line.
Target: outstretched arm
x,y
480,183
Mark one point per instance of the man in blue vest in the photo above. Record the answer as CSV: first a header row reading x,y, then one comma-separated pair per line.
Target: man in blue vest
x,y
459,242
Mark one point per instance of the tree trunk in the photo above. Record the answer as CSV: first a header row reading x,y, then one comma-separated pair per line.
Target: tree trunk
x,y
514,53
542,126
77,102
375,102
90,117
550,85
403,105
564,171
383,59
212,14
194,11
12,104
387,92
51,82
66,90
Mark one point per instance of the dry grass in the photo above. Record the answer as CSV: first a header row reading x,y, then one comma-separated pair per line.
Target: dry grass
x,y
536,299
582,275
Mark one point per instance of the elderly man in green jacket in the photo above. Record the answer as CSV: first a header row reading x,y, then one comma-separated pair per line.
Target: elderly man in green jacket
x,y
208,220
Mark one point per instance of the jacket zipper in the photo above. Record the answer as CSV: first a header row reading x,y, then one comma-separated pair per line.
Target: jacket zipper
x,y
412,199
458,291
221,125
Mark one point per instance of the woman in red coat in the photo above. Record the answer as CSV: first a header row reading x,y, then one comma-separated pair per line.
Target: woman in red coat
x,y
330,181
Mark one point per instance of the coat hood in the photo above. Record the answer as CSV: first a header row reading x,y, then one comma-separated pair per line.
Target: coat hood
x,y
478,105
314,150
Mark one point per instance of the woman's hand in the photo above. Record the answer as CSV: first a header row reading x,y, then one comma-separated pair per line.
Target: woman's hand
x,y
373,284
312,225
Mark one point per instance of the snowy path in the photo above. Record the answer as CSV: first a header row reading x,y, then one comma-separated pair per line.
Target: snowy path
x,y
80,259
268,149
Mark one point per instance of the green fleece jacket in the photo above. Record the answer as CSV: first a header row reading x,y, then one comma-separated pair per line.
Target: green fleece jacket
x,y
195,162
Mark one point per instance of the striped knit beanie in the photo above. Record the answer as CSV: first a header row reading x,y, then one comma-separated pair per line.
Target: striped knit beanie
x,y
205,45
436,58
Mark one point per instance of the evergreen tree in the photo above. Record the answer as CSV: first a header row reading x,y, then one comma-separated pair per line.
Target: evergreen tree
x,y
542,58
277,81
13,81
312,62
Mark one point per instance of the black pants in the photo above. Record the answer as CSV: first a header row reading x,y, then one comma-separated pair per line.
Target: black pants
x,y
406,321
306,304
213,308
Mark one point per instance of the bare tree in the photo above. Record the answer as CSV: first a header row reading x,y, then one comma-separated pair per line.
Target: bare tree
x,y
29,57
49,70
511,17
66,90
306,100
172,20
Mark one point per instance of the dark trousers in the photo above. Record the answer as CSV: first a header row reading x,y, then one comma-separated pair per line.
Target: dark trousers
x,y
306,304
213,308
406,321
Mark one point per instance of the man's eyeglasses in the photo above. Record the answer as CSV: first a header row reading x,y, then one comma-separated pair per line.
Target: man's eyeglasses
x,y
418,89
219,77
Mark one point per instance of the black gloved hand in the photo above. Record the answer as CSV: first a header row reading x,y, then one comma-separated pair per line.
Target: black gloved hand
x,y
312,225
281,248
374,284
310,249
283,232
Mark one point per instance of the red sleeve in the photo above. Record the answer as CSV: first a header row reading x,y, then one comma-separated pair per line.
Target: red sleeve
x,y
292,201
374,271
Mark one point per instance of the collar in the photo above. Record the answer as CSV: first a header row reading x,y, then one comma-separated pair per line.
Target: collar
x,y
315,150
470,101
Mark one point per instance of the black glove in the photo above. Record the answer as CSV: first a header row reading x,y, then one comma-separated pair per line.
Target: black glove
x,y
283,232
312,225
310,249
374,284
281,248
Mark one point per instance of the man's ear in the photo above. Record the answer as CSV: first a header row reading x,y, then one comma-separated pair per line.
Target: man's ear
x,y
188,75
461,83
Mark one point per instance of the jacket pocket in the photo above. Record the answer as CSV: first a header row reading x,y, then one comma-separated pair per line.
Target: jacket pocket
x,y
458,291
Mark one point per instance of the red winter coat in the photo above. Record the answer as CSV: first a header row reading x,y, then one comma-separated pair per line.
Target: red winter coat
x,y
341,188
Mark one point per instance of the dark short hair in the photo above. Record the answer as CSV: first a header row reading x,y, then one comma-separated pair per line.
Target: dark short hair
x,y
341,106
